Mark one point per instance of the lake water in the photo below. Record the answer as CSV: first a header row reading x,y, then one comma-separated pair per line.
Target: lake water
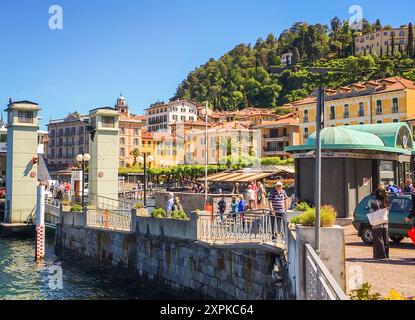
x,y
22,279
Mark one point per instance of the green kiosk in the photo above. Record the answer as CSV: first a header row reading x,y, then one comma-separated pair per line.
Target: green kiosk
x,y
355,159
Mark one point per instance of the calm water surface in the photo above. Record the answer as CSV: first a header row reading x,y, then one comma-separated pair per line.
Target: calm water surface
x,y
22,279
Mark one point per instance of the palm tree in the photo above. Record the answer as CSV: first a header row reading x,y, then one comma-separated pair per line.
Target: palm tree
x,y
231,145
135,154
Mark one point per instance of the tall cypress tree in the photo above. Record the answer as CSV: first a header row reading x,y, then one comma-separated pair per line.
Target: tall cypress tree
x,y
393,45
410,47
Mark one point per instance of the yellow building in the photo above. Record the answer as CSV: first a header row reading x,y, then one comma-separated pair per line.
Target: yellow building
x,y
381,42
381,101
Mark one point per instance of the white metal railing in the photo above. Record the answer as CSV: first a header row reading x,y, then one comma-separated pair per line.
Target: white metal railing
x,y
111,220
104,203
107,213
52,211
254,226
320,284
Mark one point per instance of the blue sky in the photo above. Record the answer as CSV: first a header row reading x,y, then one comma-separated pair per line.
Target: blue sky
x,y
142,48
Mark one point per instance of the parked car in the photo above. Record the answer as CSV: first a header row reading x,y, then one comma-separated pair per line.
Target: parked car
x,y
400,206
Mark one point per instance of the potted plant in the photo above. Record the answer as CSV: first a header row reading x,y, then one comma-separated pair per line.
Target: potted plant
x,y
159,213
141,211
179,215
66,206
76,208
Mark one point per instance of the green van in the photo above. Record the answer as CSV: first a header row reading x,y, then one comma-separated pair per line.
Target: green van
x,y
400,206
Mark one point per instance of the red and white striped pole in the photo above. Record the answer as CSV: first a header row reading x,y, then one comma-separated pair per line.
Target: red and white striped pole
x,y
40,223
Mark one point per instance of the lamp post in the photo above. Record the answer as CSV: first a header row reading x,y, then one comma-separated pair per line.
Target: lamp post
x,y
319,126
144,160
82,159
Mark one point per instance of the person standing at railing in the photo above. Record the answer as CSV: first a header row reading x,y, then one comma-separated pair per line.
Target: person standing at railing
x,y
261,195
250,196
234,207
278,203
170,203
241,209
177,206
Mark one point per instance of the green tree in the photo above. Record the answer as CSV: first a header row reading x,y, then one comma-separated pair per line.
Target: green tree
x,y
296,59
410,46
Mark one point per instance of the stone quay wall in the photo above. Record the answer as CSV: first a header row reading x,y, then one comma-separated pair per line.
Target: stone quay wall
x,y
165,251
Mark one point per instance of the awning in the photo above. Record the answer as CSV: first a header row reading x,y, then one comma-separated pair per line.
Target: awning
x,y
240,176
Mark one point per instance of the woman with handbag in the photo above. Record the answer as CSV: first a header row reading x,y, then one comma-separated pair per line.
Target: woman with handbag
x,y
380,207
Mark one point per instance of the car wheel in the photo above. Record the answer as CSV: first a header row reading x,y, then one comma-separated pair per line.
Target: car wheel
x,y
367,235
397,239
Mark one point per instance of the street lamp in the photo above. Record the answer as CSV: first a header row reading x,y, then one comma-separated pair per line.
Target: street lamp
x,y
82,159
144,161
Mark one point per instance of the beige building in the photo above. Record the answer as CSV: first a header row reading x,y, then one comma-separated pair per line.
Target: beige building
x,y
381,42
278,134
131,127
229,139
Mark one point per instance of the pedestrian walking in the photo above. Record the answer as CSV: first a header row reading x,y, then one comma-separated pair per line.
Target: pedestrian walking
x,y
380,232
222,207
278,203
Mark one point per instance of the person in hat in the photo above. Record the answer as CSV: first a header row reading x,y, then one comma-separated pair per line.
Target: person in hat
x,y
278,203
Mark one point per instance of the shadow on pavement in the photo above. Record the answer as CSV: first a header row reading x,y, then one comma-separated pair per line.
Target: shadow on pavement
x,y
406,246
400,262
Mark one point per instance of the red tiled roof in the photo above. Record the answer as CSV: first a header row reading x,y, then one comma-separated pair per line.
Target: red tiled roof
x,y
146,135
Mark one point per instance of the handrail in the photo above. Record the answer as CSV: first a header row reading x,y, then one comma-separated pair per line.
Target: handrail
x,y
257,226
326,285
32,216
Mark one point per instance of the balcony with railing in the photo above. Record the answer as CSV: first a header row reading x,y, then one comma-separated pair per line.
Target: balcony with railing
x,y
273,150
361,113
346,115
278,138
